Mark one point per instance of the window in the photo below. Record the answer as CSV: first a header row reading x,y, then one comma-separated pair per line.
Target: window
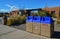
x,y
20,13
52,12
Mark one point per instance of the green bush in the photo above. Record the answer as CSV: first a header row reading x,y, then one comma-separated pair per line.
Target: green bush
x,y
16,19
23,18
1,15
10,21
54,16
43,13
58,20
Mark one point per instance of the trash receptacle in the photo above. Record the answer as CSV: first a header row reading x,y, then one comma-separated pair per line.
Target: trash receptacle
x,y
29,23
4,20
47,26
36,24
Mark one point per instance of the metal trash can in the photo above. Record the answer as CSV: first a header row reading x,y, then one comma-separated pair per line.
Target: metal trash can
x,y
36,24
4,20
29,23
47,26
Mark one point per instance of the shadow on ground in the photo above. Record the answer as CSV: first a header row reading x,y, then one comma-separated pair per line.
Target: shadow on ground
x,y
56,34
20,26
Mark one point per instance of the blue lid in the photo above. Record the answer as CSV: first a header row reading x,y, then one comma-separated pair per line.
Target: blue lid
x,y
37,19
29,19
47,20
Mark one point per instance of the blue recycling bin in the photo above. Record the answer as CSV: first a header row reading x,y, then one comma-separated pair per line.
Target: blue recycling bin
x,y
47,20
36,24
29,23
37,19
47,26
29,19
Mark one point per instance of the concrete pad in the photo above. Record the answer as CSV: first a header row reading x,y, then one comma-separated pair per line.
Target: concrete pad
x,y
34,36
15,35
6,29
1,25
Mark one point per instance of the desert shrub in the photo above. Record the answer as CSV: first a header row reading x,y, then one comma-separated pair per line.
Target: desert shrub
x,y
43,13
16,19
1,15
10,21
54,16
58,20
23,18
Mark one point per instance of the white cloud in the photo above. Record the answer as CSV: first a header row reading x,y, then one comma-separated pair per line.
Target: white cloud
x,y
29,8
12,7
8,5
26,8
3,10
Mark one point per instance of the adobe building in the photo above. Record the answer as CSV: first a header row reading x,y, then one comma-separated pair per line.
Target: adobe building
x,y
53,10
15,12
23,12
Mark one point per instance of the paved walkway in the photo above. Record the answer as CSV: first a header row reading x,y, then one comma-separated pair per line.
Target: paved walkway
x,y
12,33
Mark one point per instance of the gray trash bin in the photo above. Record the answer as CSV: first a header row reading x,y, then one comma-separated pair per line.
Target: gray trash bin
x,y
4,20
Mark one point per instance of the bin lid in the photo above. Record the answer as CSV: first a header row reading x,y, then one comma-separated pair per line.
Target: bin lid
x,y
29,19
47,20
37,19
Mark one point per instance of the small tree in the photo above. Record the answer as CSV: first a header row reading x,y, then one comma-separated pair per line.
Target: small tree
x,y
43,13
34,14
58,20
54,16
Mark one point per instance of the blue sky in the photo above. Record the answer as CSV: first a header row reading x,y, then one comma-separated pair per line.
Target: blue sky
x,y
8,5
